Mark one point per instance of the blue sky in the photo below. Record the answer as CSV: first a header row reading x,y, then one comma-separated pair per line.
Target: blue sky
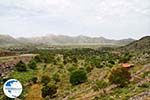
x,y
114,19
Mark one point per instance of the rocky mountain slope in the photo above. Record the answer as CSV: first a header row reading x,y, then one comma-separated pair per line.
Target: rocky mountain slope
x,y
61,39
6,40
140,45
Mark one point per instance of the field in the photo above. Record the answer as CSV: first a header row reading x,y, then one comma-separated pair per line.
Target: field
x,y
80,74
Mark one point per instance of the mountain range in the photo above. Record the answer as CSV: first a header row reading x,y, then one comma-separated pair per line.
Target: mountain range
x,y
6,40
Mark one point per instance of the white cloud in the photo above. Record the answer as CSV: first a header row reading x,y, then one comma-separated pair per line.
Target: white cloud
x,y
74,16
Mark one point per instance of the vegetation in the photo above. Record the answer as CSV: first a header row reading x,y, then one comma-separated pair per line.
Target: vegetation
x,y
34,80
120,76
32,64
78,76
23,77
49,90
56,77
21,66
100,84
37,58
45,79
125,58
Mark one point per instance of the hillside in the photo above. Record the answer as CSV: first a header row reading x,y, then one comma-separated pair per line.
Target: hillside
x,y
6,40
77,74
140,45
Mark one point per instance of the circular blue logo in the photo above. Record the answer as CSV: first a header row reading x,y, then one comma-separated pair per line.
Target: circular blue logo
x,y
12,88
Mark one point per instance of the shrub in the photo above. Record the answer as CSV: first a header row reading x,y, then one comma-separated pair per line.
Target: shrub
x,y
34,80
49,90
146,74
101,84
111,62
89,68
21,66
125,58
72,68
45,79
65,62
38,58
74,59
32,64
78,76
145,85
44,67
56,77
48,58
100,66
109,65
97,63
120,76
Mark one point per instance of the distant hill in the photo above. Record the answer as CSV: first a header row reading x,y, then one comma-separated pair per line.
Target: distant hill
x,y
63,39
6,40
140,45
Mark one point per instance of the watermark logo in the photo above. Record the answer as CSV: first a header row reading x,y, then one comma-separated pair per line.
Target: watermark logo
x,y
12,88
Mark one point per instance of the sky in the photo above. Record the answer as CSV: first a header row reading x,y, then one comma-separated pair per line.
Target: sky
x,y
114,19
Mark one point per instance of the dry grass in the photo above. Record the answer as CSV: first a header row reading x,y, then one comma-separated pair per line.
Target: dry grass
x,y
34,93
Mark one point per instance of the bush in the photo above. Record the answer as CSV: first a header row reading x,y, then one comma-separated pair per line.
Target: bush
x,y
89,68
45,79
44,67
34,80
120,76
74,59
145,74
38,58
111,62
101,84
109,65
72,68
49,90
21,66
78,76
32,64
125,58
145,85
97,63
65,62
56,77
100,65
48,58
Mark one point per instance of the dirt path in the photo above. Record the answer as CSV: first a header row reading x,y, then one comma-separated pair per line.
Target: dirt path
x,y
34,93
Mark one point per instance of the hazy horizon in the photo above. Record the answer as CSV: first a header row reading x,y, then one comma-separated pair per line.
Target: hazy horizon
x,y
72,36
113,19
